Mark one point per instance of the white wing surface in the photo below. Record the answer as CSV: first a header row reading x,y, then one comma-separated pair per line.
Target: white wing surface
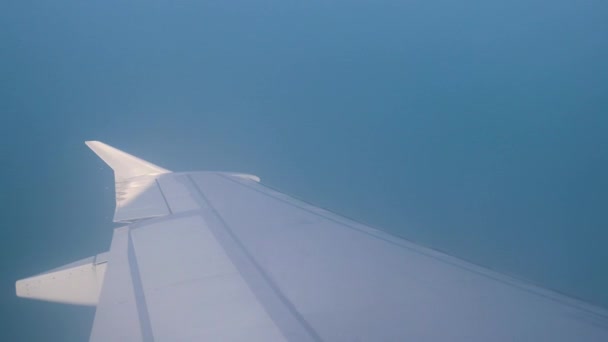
x,y
210,256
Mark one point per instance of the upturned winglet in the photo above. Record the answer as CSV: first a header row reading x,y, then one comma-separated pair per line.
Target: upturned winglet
x,y
125,166
138,195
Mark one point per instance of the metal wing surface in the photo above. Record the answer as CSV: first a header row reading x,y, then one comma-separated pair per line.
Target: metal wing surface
x,y
211,256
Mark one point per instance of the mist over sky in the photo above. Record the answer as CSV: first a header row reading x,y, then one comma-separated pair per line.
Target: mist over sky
x,y
475,127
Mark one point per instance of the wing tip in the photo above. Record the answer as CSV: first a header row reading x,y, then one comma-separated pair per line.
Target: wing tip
x,y
94,143
124,164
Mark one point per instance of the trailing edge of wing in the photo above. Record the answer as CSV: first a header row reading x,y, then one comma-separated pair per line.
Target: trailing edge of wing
x,y
125,166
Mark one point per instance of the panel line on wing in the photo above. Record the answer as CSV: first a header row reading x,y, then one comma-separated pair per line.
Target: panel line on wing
x,y
162,193
140,298
283,312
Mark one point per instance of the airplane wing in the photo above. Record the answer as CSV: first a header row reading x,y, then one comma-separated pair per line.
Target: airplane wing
x,y
212,256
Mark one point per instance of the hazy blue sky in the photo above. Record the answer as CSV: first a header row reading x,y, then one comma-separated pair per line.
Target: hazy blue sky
x,y
475,127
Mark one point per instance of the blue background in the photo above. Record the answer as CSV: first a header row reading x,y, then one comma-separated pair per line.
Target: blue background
x,y
474,127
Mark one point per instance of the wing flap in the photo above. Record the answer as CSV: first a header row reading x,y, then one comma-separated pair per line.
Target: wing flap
x,y
121,312
139,198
